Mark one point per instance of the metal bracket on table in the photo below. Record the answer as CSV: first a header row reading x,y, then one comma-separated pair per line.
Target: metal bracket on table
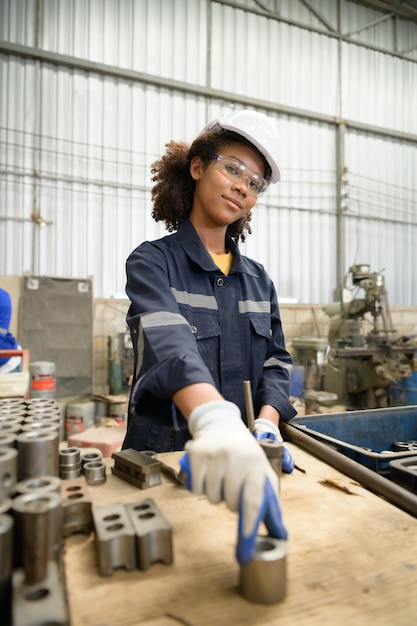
x,y
138,468
40,603
115,538
153,533
76,506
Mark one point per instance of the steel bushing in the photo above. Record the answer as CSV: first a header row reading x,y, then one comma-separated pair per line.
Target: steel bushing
x,y
13,425
40,484
6,567
38,536
8,471
94,472
41,417
38,454
43,426
69,463
264,579
7,440
88,457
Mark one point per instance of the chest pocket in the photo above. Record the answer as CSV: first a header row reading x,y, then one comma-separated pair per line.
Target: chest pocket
x,y
261,325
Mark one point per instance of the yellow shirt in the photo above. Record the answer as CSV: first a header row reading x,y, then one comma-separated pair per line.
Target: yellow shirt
x,y
223,261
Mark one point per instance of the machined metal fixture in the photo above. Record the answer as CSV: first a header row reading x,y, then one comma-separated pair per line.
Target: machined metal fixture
x,y
114,538
264,579
94,472
76,507
8,471
6,567
138,468
153,533
38,454
40,603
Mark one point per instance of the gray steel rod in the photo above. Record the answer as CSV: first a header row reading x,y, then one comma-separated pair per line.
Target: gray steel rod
x,y
401,497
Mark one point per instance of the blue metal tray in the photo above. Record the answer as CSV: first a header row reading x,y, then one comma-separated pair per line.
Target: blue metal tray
x,y
367,436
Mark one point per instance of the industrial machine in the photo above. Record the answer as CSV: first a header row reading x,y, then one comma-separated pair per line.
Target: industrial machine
x,y
364,356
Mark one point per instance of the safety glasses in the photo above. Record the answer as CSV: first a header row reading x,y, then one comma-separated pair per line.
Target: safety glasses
x,y
236,171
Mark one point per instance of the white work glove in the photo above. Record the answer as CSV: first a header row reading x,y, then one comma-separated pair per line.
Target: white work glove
x,y
264,428
225,462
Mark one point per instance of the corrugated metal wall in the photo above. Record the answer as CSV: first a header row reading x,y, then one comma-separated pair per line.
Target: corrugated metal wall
x,y
91,91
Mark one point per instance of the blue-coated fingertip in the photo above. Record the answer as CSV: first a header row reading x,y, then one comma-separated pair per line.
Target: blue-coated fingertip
x,y
287,461
186,468
273,518
270,513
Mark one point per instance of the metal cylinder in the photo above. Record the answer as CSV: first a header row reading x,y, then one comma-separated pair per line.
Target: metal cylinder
x,y
89,457
40,403
273,450
8,472
42,426
40,484
94,472
12,409
7,440
46,416
10,427
38,536
6,566
69,463
38,454
12,419
264,579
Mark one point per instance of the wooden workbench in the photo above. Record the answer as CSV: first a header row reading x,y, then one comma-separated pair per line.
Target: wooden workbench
x,y
352,560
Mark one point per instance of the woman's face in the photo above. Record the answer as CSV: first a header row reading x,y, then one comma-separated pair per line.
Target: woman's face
x,y
219,201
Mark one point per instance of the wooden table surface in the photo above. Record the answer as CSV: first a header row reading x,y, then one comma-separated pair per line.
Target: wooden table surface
x,y
352,559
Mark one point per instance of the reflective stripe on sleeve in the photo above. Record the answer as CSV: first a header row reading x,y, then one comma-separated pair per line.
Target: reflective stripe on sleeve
x,y
272,361
161,318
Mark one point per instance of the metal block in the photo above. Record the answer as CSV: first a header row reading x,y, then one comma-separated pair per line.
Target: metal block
x,y
76,506
115,538
137,468
153,533
42,603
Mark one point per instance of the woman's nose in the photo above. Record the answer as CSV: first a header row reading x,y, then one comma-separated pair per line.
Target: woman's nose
x,y
242,185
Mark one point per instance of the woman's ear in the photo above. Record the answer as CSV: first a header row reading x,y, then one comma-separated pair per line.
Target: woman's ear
x,y
196,167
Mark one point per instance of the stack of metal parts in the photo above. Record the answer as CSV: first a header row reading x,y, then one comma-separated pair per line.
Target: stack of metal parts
x,y
38,508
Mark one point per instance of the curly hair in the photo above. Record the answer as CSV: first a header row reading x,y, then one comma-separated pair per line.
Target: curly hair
x,y
173,192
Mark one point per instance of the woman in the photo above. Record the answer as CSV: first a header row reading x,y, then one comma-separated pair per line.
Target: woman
x,y
203,319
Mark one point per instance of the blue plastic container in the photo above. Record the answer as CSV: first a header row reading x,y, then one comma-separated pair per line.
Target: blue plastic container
x,y
297,381
366,436
405,392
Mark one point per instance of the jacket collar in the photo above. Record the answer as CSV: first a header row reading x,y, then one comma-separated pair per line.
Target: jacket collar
x,y
194,249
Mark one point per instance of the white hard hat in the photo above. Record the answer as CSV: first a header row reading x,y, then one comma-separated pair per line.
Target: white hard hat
x,y
258,129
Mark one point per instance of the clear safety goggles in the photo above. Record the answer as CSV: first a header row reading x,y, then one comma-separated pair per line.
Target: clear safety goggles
x,y
236,172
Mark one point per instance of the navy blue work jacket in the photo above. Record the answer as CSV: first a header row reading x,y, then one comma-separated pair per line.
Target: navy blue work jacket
x,y
190,324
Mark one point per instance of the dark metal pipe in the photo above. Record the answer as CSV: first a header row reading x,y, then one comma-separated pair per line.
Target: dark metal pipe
x,y
401,497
